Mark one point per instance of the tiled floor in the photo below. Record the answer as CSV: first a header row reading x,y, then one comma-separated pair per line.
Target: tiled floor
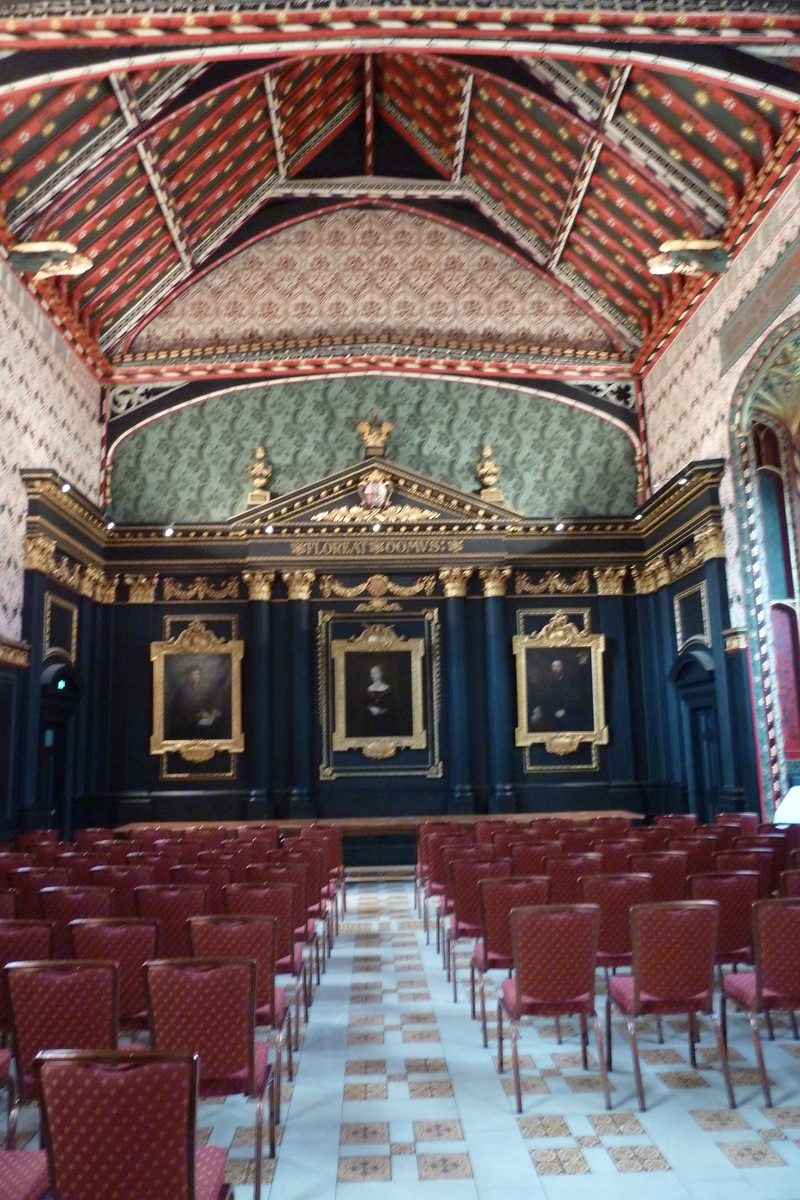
x,y
394,1094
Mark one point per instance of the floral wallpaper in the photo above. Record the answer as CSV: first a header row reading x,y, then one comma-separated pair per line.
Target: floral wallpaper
x,y
360,271
192,464
49,405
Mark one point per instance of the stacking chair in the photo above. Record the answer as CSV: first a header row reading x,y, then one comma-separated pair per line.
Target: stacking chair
x,y
92,834
23,1175
8,904
122,1125
615,896
774,985
669,869
319,909
123,881
278,900
494,952
615,854
59,1003
758,858
64,904
159,864
29,839
129,942
28,882
611,827
699,852
288,871
465,919
565,873
651,837
438,846
213,879
207,1007
332,836
529,857
682,824
790,883
576,841
19,941
776,842
172,906
253,936
674,951
554,949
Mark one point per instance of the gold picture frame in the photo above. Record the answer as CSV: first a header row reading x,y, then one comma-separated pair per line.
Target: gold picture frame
x,y
378,693
560,687
197,694
60,628
690,610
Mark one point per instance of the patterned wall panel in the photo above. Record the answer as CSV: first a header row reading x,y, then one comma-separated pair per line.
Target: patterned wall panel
x,y
49,404
360,271
191,465
687,395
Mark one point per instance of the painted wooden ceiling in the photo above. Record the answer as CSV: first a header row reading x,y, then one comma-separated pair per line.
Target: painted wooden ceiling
x,y
582,154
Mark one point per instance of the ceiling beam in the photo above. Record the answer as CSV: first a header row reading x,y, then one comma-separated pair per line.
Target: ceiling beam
x,y
463,126
275,124
130,111
369,116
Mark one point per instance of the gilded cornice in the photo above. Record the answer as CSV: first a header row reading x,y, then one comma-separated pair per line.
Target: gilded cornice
x,y
259,584
39,554
47,486
494,580
663,569
552,583
141,588
454,581
299,584
610,580
13,654
200,589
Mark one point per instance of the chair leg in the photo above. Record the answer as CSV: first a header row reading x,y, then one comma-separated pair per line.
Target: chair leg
x,y
12,1111
499,1039
426,920
692,1040
287,1036
723,1017
793,1019
637,1068
762,1070
306,996
472,989
601,1058
454,970
608,1032
584,1042
558,1030
279,1078
770,1030
515,1062
660,1030
723,1059
483,1012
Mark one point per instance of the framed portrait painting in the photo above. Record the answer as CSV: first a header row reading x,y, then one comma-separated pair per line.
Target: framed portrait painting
x,y
560,689
197,689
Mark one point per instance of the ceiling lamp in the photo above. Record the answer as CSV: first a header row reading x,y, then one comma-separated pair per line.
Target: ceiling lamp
x,y
689,256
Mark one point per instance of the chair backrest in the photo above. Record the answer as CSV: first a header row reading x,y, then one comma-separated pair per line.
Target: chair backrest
x,y
615,853
699,852
60,1003
669,869
123,881
736,894
683,824
285,872
266,837
206,1007
757,858
206,837
565,872
651,837
277,900
496,898
172,905
776,842
612,827
576,841
28,882
127,941
64,904
8,904
790,882
242,935
554,949
30,838
776,945
674,949
464,876
438,848
305,851
529,857
745,822
725,834
125,1118
92,834
213,879
21,941
615,896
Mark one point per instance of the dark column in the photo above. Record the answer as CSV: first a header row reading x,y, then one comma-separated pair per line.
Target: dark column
x,y
743,794
299,584
258,735
29,815
622,788
454,580
500,722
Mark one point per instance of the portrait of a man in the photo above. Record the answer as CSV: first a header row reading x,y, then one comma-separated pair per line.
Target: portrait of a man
x,y
197,696
378,695
560,691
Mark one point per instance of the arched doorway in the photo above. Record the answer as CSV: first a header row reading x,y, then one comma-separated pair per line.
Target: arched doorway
x,y
61,691
693,676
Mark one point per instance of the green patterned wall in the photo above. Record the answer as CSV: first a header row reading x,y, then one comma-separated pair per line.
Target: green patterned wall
x,y
191,465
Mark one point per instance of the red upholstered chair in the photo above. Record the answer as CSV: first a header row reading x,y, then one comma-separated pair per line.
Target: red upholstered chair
x,y
465,919
7,1085
438,846
651,837
268,835
8,904
23,1175
790,883
674,950
494,952
251,936
88,836
682,824
206,837
699,852
576,841
28,882
213,879
746,823
305,850
129,942
485,830
669,869
172,906
60,1003
615,854
529,857
29,839
277,900
123,881
615,896
20,941
758,859
611,827
64,904
208,1007
277,871
122,1126
159,864
776,842
774,985
554,949
565,872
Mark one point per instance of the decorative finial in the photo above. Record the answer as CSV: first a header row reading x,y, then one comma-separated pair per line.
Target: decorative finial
x,y
48,259
374,434
488,471
689,256
260,472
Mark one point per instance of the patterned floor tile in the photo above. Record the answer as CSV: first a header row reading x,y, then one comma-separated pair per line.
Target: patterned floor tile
x,y
432,1089
637,1158
746,1077
751,1154
526,1062
444,1166
201,1135
710,1055
396,1077
664,1056
588,1140
243,1170
549,1072
420,1035
245,1135
792,1049
402,1148
572,1059
528,1086
365,1038
438,1131
363,1133
713,1120
371,1168
773,1135
784,1116
417,1019
543,1127
365,1066
426,1066
559,1162
361,1019
619,1124
681,1080
586,1083
365,1091
547,1029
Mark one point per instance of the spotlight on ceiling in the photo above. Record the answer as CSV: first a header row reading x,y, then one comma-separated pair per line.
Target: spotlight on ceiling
x,y
638,517
268,528
376,528
560,527
111,524
682,482
479,525
66,487
169,531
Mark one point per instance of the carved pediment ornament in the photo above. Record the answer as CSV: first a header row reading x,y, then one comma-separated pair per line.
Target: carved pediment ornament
x,y
551,583
559,631
708,543
196,638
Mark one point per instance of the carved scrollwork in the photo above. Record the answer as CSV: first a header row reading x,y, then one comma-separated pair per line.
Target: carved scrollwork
x,y
141,588
551,583
200,589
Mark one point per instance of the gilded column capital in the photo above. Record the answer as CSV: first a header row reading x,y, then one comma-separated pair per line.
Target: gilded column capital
x,y
494,580
299,584
454,580
13,654
259,584
610,580
99,586
735,640
141,588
